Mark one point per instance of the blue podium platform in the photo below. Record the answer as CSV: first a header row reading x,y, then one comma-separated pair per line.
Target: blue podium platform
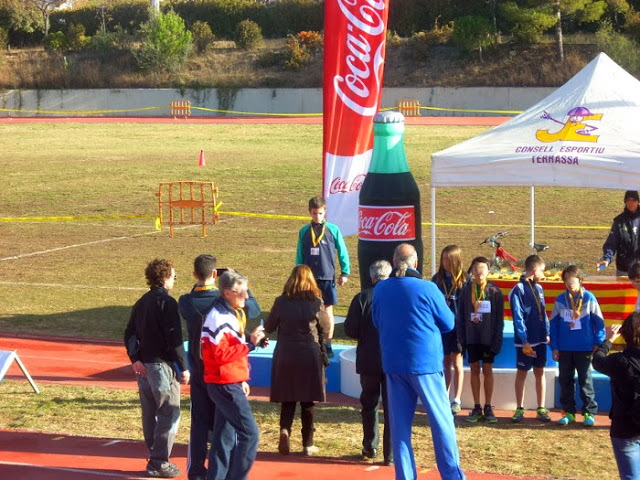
x,y
261,358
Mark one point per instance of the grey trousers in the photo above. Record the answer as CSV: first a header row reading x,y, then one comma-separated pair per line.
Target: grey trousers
x,y
160,402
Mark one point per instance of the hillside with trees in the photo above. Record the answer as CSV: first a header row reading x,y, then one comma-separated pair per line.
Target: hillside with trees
x,y
244,43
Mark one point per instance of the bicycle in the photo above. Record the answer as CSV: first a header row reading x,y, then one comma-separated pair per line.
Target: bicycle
x,y
501,255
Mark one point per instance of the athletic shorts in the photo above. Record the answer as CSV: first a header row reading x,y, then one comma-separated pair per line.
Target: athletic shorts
x,y
329,292
525,362
477,352
450,342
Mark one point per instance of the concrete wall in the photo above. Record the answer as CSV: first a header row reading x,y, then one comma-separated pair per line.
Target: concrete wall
x,y
155,102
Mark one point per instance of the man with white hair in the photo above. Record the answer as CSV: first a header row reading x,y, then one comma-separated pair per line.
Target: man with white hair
x,y
411,314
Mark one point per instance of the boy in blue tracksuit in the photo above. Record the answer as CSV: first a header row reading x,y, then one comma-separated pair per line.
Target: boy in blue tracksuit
x,y
531,334
577,327
318,243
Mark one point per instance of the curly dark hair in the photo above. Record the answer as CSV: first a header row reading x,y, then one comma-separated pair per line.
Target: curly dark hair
x,y
630,330
158,271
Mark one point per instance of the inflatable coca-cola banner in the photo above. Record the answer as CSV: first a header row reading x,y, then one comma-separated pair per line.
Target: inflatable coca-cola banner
x,y
354,51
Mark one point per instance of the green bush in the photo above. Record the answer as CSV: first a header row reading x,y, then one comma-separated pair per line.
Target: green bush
x,y
473,34
623,50
527,24
166,43
248,34
296,53
76,37
56,41
202,36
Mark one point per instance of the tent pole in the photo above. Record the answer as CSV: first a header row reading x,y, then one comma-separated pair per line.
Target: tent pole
x,y
533,215
433,231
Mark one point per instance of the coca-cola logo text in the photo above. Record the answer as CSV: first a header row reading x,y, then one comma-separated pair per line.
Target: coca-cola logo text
x,y
338,185
386,224
365,42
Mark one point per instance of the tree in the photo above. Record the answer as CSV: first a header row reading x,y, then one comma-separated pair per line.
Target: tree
x,y
473,33
45,7
166,42
532,17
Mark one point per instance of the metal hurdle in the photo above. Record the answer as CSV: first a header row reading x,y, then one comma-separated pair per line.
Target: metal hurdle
x,y
409,108
188,203
180,108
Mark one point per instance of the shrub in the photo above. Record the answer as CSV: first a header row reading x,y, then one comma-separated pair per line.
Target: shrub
x,y
472,33
166,43
202,36
296,53
76,37
311,40
393,39
621,49
527,24
4,38
56,41
248,35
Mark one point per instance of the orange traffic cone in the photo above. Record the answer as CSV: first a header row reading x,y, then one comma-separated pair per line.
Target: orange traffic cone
x,y
201,161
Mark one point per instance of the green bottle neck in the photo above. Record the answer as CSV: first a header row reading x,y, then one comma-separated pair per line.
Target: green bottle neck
x,y
388,149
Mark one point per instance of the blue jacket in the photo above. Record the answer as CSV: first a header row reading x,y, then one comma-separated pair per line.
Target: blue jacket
x,y
323,264
410,314
583,340
528,326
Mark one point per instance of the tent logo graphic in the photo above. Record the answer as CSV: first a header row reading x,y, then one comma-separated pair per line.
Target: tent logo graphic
x,y
574,129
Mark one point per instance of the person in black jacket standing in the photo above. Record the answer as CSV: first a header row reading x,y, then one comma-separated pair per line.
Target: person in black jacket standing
x,y
624,238
359,325
623,369
153,338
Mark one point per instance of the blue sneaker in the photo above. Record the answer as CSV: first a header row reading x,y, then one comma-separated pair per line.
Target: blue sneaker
x,y
589,420
566,419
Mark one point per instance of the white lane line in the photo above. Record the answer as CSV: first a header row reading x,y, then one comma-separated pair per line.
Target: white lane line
x,y
112,442
372,468
95,242
70,470
61,285
67,360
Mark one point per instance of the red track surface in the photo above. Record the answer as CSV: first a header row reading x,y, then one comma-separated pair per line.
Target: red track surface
x,y
34,455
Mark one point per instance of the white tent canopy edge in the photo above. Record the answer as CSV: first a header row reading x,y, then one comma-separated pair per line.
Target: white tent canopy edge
x,y
585,134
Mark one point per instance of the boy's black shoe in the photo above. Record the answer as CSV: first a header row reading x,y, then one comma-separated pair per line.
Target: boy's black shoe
x,y
388,462
489,416
168,471
327,345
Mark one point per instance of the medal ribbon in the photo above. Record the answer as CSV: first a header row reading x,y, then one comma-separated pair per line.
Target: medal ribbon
x,y
537,299
201,288
575,306
477,295
242,319
448,293
315,241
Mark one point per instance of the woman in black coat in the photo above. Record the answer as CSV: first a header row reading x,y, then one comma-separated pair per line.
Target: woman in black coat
x,y
624,370
297,371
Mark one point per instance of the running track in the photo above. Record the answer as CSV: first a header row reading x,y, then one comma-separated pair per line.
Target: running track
x,y
33,455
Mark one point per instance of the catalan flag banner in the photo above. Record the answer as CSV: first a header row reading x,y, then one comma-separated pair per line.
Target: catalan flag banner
x,y
617,299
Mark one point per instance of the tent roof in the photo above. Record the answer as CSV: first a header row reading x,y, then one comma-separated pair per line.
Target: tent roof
x,y
585,134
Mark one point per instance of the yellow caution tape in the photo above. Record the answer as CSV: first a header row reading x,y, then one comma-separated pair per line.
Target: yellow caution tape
x,y
79,112
69,218
442,109
237,112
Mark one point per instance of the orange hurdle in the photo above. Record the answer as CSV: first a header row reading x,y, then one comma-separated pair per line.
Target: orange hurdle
x,y
180,108
409,108
188,203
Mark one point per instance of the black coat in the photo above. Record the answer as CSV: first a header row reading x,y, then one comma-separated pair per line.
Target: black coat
x,y
617,366
489,331
359,325
297,373
624,240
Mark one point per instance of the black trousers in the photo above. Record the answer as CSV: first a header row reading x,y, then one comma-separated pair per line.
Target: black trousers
x,y
372,387
288,411
568,364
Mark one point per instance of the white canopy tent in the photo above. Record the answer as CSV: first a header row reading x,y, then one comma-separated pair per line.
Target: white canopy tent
x,y
585,134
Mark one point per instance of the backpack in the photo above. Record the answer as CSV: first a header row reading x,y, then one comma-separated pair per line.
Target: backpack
x,y
634,407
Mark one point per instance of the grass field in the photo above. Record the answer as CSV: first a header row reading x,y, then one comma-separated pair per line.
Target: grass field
x,y
80,278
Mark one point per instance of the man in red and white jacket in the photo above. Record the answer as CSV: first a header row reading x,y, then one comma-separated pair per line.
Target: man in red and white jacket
x,y
225,351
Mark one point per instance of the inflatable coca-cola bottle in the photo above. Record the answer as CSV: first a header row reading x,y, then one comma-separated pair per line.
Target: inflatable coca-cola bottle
x,y
389,211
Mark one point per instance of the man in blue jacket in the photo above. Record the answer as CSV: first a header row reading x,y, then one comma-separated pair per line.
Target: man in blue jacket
x,y
411,314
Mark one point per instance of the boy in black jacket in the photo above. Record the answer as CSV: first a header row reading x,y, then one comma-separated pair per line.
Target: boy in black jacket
x,y
479,325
